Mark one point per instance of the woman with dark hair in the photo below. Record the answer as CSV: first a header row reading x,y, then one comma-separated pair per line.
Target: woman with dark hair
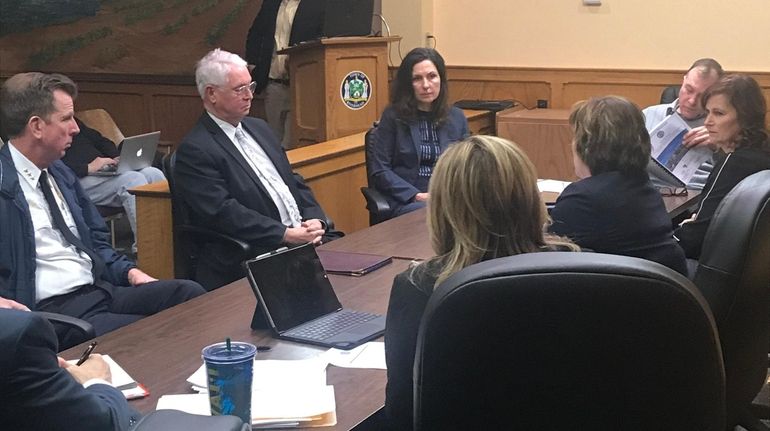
x,y
484,204
614,208
735,120
414,130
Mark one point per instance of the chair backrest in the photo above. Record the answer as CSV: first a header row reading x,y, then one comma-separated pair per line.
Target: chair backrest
x,y
568,340
175,420
733,274
370,140
185,249
100,120
669,94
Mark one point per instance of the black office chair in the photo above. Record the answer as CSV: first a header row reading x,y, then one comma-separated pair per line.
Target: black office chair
x,y
564,340
189,238
175,420
733,274
378,206
669,94
70,331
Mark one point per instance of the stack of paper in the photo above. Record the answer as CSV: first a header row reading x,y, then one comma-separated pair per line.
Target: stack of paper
x,y
284,394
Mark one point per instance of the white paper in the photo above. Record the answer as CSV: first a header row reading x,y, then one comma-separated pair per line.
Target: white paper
x,y
553,186
277,406
270,373
668,148
368,355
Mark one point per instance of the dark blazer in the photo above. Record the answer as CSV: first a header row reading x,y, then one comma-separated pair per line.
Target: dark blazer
x,y
87,146
260,41
618,214
224,194
35,394
397,153
17,236
727,173
408,300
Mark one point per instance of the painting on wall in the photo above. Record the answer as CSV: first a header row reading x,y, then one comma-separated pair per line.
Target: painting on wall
x,y
147,37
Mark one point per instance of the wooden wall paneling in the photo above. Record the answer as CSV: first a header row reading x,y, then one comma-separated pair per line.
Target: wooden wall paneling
x,y
174,113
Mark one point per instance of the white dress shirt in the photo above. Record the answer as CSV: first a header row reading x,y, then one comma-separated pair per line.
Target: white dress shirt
x,y
60,267
283,23
265,170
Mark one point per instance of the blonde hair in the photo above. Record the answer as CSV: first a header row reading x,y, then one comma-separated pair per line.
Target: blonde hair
x,y
484,203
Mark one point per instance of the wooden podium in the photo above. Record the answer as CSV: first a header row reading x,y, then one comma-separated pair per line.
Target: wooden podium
x,y
339,86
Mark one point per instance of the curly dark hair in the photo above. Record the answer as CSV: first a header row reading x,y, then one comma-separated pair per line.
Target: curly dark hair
x,y
402,95
610,135
745,95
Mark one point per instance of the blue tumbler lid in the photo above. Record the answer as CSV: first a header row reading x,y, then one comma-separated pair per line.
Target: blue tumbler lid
x,y
238,352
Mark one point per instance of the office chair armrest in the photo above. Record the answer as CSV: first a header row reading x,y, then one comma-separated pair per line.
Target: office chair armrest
x,y
79,325
375,201
201,233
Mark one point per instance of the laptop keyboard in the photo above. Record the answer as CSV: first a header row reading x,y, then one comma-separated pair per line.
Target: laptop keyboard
x,y
330,325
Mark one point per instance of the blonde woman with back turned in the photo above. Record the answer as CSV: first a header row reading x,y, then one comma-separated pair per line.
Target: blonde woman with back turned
x,y
484,204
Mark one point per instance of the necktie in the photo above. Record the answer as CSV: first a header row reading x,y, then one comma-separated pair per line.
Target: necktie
x,y
97,265
277,184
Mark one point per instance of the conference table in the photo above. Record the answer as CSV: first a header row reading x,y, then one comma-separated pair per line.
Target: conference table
x,y
163,350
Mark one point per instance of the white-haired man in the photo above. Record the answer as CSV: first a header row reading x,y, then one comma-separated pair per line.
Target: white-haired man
x,y
232,173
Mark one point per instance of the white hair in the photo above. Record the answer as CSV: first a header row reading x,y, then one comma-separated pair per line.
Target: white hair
x,y
213,68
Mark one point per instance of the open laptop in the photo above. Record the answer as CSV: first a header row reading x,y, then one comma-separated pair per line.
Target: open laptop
x,y
299,303
136,152
348,18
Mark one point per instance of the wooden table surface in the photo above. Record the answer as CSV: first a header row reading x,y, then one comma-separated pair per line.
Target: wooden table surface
x,y
163,350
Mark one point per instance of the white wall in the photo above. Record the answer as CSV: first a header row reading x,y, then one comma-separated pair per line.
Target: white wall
x,y
623,34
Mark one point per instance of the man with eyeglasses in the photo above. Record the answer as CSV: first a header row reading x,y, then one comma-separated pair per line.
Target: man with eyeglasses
x,y
703,73
232,173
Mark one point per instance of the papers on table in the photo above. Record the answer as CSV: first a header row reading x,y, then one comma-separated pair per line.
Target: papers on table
x,y
273,408
552,186
368,355
669,152
286,393
270,373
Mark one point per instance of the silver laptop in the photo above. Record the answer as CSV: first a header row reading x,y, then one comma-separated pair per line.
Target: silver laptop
x,y
299,304
137,152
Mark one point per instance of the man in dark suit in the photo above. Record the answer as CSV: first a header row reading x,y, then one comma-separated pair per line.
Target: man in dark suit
x,y
235,177
39,392
55,253
279,25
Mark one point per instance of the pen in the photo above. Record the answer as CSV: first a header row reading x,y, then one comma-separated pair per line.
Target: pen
x,y
87,353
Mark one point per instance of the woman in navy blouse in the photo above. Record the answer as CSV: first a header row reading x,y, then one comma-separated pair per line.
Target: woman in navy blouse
x,y
614,208
415,129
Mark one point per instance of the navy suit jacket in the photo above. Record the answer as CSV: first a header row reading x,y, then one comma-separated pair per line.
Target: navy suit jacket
x,y
225,194
618,214
35,394
397,153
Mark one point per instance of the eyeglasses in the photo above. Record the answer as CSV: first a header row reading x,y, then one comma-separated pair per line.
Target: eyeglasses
x,y
241,89
673,191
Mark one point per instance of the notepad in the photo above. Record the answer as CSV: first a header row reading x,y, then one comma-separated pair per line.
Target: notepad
x,y
355,264
122,380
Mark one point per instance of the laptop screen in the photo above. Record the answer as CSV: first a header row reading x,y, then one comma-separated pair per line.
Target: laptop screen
x,y
293,286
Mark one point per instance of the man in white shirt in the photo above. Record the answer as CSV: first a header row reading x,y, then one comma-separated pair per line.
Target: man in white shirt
x,y
279,25
236,179
56,254
703,73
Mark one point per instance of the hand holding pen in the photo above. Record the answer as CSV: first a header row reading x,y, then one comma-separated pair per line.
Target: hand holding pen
x,y
89,366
